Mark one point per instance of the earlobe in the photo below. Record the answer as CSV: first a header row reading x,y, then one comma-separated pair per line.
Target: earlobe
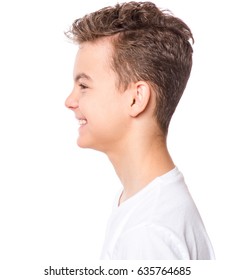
x,y
140,97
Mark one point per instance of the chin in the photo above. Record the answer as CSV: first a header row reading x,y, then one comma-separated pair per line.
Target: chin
x,y
86,145
81,143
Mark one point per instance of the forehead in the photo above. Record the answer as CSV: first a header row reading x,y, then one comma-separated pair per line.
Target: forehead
x,y
93,58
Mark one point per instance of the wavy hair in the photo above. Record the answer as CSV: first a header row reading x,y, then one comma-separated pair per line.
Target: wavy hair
x,y
149,44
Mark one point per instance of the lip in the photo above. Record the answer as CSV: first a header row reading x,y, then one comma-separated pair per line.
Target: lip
x,y
81,121
80,117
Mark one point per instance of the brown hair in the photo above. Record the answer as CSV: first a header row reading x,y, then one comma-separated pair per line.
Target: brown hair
x,y
150,45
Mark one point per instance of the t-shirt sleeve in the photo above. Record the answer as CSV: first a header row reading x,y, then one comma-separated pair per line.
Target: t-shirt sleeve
x,y
149,242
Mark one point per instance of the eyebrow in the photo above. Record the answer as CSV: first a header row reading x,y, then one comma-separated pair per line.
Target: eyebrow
x,y
82,75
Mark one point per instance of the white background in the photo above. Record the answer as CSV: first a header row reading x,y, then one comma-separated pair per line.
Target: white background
x,y
55,198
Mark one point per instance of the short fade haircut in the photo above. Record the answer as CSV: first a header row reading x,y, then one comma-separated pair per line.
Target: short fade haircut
x,y
149,44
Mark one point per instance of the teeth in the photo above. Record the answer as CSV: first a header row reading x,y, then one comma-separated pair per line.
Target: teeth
x,y
82,122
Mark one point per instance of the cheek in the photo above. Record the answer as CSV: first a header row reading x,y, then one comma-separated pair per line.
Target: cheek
x,y
104,118
105,112
111,122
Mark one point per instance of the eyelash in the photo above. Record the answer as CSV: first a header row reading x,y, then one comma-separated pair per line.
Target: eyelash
x,y
82,86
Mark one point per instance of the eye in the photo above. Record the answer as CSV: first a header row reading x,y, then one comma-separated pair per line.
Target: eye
x,y
82,86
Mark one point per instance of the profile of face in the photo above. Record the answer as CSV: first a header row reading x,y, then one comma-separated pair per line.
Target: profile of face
x,y
98,105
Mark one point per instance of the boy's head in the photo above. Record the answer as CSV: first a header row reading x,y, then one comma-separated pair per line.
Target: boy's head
x,y
147,45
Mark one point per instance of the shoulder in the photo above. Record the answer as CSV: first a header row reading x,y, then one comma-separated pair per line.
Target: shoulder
x,y
149,241
163,223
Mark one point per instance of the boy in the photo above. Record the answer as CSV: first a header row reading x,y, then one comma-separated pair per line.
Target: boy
x,y
131,69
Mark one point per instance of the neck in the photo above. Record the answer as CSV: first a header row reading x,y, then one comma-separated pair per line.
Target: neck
x,y
138,164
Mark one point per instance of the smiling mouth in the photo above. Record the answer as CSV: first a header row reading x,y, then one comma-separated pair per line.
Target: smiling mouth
x,y
82,121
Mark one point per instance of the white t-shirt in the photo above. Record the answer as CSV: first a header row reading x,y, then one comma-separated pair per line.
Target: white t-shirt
x,y
160,222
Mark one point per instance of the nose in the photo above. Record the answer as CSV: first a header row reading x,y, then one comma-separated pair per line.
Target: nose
x,y
72,101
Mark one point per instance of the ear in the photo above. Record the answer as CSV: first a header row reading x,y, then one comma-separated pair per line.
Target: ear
x,y
139,98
